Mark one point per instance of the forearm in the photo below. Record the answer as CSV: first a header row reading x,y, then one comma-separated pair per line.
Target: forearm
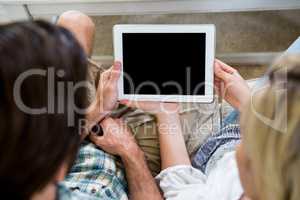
x,y
172,146
141,183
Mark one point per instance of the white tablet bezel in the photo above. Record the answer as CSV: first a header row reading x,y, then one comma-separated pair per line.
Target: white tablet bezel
x,y
209,29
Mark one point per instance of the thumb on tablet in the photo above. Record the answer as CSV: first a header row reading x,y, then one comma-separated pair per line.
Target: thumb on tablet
x,y
116,71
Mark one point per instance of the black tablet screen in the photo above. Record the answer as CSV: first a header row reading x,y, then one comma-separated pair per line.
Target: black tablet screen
x,y
164,63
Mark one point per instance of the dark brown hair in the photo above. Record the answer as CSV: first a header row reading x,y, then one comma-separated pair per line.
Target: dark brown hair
x,y
33,147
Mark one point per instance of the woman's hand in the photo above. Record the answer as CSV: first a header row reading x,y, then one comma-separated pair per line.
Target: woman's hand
x,y
230,85
167,113
117,138
152,107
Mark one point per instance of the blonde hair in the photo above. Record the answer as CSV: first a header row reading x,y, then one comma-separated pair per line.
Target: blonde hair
x,y
271,133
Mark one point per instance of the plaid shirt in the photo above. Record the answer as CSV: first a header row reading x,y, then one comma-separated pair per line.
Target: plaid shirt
x,y
94,176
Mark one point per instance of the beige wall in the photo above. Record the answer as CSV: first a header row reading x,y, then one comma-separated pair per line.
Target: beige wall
x,y
236,32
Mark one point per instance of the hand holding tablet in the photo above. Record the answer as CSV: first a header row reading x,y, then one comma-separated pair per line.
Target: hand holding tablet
x,y
170,63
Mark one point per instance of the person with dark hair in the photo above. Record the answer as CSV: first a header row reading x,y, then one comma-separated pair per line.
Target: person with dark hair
x,y
42,70
36,150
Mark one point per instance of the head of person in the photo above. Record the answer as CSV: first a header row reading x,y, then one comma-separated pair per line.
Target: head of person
x,y
37,148
269,155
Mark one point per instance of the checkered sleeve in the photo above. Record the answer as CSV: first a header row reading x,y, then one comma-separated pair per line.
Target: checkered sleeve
x,y
95,173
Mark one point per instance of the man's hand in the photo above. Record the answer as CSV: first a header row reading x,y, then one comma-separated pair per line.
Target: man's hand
x,y
231,85
117,138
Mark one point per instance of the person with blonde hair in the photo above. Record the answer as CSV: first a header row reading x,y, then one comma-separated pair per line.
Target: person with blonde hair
x,y
269,155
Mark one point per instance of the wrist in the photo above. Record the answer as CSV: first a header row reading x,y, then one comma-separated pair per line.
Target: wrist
x,y
132,153
168,109
244,100
167,117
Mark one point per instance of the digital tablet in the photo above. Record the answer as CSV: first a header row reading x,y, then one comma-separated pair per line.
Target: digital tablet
x,y
170,63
